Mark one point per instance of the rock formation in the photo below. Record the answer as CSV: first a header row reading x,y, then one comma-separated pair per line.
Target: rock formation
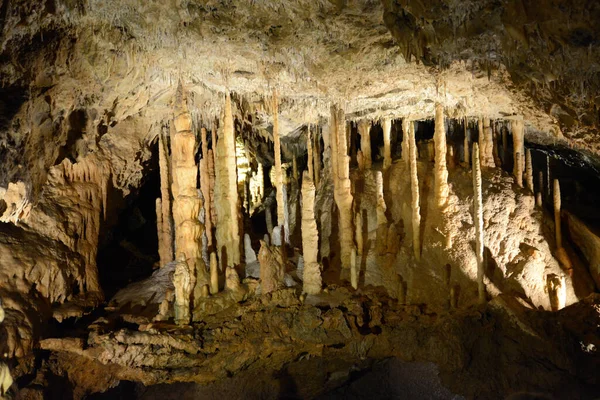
x,y
165,229
387,148
441,171
486,143
364,130
529,171
186,201
272,268
340,162
518,149
414,186
227,203
278,169
478,221
557,221
311,276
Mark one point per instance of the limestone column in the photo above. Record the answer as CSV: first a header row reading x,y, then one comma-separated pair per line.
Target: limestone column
x,y
309,151
269,219
212,174
441,171
519,169
538,197
557,227
529,171
405,140
387,149
310,238
214,274
497,160
186,202
353,269
227,202
165,239
504,145
341,183
486,143
205,187
467,151
478,220
414,186
278,168
317,157
518,147
364,129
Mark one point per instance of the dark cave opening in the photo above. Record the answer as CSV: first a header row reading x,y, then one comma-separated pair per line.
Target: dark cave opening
x,y
128,248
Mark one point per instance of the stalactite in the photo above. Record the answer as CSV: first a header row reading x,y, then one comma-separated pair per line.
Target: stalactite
x,y
414,185
212,178
441,171
342,184
309,151
538,197
310,238
405,141
317,158
278,167
557,204
518,147
486,143
205,187
364,130
269,219
166,230
358,223
478,221
227,201
497,160
528,171
387,148
548,178
186,201
380,202
519,170
466,151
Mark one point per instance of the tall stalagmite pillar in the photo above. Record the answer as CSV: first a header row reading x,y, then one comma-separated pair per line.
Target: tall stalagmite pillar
x,y
557,227
364,129
467,151
341,183
316,156
441,171
414,186
486,143
165,230
227,202
278,170
205,187
406,123
186,202
387,146
478,220
309,151
538,196
529,171
518,147
310,238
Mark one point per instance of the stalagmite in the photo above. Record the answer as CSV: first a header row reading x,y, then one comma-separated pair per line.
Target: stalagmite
x,y
227,202
387,149
504,145
183,289
186,201
450,157
466,151
538,197
342,184
557,223
518,170
358,223
441,171
497,160
212,178
381,207
478,221
278,168
486,143
364,129
528,171
548,178
310,238
414,185
518,147
165,249
272,268
309,151
205,187
214,274
557,291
